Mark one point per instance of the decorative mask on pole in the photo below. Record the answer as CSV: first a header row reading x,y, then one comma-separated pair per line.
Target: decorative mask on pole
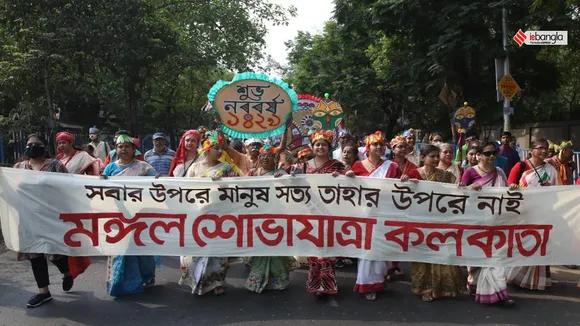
x,y
327,114
464,118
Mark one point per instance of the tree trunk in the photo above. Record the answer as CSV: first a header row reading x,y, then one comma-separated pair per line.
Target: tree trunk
x,y
48,97
133,100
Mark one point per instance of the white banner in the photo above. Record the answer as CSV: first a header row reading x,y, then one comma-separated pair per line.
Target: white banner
x,y
308,215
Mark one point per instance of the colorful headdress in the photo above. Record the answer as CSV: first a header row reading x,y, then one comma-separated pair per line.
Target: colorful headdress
x,y
94,130
181,152
213,138
563,145
566,144
322,134
121,139
398,140
65,136
305,152
268,149
377,137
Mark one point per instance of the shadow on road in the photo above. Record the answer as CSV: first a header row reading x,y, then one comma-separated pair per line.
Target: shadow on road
x,y
169,303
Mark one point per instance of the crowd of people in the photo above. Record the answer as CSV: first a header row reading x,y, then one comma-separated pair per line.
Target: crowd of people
x,y
210,154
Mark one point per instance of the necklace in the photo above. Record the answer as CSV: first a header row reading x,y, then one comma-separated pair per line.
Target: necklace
x,y
484,170
316,164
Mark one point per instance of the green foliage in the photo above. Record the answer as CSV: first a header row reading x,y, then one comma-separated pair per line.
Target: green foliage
x,y
387,60
135,64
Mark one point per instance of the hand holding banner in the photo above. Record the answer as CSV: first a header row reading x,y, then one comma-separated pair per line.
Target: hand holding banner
x,y
307,215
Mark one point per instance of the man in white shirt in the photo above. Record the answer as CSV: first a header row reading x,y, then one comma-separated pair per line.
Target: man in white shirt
x,y
101,147
346,139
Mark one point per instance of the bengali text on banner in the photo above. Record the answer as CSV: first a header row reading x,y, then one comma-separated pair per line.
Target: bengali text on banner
x,y
305,215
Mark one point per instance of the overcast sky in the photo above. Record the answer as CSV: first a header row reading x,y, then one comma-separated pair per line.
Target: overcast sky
x,y
311,16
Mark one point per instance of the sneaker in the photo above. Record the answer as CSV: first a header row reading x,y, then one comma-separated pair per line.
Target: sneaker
x,y
38,300
67,283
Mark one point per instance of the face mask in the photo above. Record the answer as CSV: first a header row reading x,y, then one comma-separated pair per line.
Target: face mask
x,y
35,151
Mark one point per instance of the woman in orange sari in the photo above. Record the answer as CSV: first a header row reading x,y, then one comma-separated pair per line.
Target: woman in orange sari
x,y
432,281
371,275
321,270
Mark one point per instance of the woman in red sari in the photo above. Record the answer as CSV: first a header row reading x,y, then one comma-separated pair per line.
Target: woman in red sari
x,y
371,275
74,159
186,154
321,271
400,148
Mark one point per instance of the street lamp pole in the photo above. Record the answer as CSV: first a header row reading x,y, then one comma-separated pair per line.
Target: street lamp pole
x,y
506,68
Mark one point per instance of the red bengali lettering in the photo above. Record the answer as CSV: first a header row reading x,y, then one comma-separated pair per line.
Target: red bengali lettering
x,y
533,230
318,239
405,229
77,219
484,239
355,224
218,232
167,226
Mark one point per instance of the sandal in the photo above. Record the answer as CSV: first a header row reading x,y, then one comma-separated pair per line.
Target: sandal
x,y
427,297
371,296
219,291
149,284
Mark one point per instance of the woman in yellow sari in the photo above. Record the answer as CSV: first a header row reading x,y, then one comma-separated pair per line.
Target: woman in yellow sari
x,y
432,281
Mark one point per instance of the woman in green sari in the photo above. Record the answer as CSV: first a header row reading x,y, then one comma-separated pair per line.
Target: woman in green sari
x,y
205,274
432,281
269,273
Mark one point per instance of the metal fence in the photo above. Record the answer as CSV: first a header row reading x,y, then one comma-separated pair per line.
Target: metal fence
x,y
12,147
576,158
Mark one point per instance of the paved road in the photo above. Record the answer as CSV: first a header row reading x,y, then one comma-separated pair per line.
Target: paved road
x,y
170,304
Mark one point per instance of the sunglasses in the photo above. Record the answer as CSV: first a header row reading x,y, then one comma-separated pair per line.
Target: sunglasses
x,y
489,153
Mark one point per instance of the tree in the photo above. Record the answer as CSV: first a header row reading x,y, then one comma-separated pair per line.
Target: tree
x,y
397,55
125,61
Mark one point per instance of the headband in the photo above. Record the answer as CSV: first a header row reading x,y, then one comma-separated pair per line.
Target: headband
x,y
124,139
322,134
213,138
377,137
268,149
65,136
398,140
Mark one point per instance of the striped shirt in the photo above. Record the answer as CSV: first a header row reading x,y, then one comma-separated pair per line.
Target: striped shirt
x,y
160,162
